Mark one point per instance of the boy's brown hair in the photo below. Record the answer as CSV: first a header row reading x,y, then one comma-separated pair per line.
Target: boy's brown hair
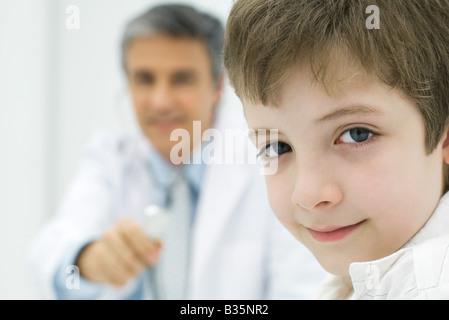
x,y
266,39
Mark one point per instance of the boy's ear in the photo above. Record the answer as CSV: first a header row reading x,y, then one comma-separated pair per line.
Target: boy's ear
x,y
446,148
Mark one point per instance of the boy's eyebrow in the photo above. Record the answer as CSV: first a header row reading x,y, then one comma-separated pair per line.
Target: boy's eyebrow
x,y
254,133
349,111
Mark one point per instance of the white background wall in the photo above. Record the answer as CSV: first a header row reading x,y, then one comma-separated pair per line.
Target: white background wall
x,y
57,86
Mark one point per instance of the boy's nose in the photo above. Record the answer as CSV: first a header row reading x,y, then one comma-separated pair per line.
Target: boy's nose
x,y
315,191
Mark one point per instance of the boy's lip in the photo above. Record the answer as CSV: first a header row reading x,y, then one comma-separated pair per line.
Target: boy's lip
x,y
333,233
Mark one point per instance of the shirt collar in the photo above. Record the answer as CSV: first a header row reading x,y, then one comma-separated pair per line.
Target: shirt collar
x,y
165,173
194,172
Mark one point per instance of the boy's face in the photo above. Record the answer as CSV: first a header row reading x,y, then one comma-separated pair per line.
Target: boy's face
x,y
354,182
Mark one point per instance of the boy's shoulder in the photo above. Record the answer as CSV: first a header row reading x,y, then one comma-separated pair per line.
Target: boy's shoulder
x,y
431,268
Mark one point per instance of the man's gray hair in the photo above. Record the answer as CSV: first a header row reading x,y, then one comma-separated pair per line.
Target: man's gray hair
x,y
179,21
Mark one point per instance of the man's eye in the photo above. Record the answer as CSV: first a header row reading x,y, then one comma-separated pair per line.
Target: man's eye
x,y
183,78
356,135
143,78
274,150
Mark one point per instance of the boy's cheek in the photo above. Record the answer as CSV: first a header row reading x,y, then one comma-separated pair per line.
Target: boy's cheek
x,y
279,199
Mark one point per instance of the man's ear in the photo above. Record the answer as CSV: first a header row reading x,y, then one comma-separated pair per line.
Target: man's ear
x,y
446,147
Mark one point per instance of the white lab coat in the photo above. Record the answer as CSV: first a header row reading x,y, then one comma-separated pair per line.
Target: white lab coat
x,y
240,250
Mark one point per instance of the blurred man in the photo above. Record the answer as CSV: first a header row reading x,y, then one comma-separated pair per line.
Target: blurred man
x,y
223,242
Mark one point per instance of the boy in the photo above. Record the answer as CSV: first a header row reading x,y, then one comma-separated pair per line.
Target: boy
x,y
362,141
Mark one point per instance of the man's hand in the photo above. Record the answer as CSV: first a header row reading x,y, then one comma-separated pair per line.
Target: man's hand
x,y
120,255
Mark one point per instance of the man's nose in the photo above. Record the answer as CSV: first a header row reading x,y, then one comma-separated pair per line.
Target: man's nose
x,y
315,189
161,96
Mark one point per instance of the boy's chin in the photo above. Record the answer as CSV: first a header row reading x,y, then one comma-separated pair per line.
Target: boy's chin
x,y
338,264
337,269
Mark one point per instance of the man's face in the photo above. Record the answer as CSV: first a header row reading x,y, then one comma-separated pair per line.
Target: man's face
x,y
353,182
171,84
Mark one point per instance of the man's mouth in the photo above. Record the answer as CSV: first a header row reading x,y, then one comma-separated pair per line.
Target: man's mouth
x,y
165,124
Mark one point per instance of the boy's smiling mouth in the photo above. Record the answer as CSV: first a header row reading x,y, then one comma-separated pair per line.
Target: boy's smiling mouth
x,y
332,234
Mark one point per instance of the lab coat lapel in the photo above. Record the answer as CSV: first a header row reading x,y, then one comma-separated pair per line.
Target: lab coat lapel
x,y
223,188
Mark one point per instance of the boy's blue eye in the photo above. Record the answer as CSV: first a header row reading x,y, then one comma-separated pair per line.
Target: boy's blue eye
x,y
274,149
355,135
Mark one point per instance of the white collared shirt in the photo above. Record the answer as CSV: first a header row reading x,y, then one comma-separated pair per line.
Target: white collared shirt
x,y
419,270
